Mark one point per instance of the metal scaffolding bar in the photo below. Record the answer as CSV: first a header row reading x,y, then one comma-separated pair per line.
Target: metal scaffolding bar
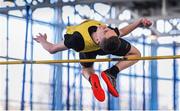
x,y
144,80
175,83
25,58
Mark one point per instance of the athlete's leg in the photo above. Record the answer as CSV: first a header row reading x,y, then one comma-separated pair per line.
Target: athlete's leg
x,y
110,75
89,73
87,68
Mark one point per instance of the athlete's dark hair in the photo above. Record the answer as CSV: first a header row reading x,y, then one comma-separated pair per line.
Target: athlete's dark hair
x,y
111,44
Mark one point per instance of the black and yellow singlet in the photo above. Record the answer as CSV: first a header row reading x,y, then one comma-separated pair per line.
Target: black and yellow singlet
x,y
79,37
82,31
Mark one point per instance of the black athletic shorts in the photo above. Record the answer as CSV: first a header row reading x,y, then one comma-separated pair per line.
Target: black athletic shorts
x,y
122,51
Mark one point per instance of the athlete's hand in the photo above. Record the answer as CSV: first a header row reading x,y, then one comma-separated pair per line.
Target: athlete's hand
x,y
41,38
144,22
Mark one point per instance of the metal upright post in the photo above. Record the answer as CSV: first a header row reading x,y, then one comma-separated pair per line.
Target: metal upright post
x,y
175,83
81,94
144,82
74,88
7,71
130,89
68,84
31,68
154,87
57,76
25,58
53,87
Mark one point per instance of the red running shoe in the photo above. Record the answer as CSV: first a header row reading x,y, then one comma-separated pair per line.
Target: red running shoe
x,y
110,82
96,87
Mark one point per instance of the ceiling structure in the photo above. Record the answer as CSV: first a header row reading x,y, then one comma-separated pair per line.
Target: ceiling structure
x,y
142,7
154,9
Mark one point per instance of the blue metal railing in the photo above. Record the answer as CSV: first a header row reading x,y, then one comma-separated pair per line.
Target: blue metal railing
x,y
25,58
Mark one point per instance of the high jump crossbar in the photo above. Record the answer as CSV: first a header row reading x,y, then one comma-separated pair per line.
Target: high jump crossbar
x,y
89,60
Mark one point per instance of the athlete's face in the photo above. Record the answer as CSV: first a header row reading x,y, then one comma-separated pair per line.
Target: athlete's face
x,y
104,32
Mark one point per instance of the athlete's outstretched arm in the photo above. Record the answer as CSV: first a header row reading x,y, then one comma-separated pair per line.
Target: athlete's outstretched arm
x,y
140,22
51,48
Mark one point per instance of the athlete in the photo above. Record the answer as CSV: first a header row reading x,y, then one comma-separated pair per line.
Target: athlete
x,y
92,38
